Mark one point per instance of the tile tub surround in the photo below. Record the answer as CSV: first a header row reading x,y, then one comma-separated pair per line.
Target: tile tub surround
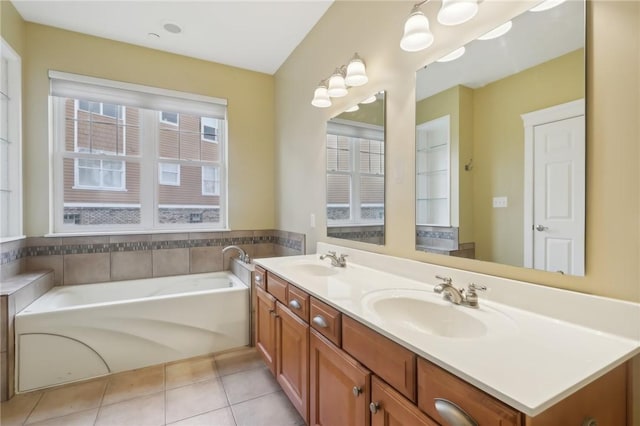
x,y
15,294
91,259
226,389
549,328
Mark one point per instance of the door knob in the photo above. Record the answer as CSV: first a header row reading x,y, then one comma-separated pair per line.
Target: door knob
x,y
541,228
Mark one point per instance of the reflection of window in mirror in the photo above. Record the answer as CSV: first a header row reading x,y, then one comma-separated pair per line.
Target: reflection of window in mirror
x,y
355,174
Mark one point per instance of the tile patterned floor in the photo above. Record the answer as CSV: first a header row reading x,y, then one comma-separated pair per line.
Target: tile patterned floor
x,y
229,389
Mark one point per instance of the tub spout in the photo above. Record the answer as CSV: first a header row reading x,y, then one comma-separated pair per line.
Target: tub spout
x,y
243,256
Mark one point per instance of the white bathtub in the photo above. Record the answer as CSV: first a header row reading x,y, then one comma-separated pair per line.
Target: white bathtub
x,y
78,332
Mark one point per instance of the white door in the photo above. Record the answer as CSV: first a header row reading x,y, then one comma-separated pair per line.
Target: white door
x,y
554,188
559,196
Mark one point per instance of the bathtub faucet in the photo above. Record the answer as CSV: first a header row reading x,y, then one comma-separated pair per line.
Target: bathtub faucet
x,y
244,257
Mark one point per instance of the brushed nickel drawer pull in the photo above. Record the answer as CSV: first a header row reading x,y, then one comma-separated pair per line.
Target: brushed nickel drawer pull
x,y
373,407
320,322
294,304
452,414
357,390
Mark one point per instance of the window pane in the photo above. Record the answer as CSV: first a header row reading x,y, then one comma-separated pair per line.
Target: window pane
x,y
339,158
110,110
338,197
372,197
186,203
169,173
97,205
169,117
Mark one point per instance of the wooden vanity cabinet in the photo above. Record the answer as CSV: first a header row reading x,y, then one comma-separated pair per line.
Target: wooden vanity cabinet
x,y
340,388
434,382
292,358
266,328
389,408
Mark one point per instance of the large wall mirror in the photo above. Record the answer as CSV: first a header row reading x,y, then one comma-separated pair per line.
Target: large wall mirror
x,y
500,145
355,172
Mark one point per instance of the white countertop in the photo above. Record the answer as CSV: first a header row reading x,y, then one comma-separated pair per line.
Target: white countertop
x,y
535,361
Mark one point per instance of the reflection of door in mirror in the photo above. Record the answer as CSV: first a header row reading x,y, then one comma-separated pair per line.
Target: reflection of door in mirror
x,y
485,92
355,174
554,186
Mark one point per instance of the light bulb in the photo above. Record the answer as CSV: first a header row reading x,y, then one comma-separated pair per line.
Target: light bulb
x,y
417,35
456,12
321,97
337,87
356,72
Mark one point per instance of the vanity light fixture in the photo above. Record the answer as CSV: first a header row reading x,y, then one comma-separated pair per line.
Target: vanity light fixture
x,y
321,96
453,55
546,5
356,72
497,32
456,12
417,35
337,86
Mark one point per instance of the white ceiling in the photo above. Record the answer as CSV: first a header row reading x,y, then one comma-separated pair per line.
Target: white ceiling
x,y
535,37
257,35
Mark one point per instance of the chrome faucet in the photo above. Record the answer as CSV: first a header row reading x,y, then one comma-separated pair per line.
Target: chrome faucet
x,y
462,297
335,260
244,257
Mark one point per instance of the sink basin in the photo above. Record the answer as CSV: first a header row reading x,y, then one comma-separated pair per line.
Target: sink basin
x,y
420,311
315,269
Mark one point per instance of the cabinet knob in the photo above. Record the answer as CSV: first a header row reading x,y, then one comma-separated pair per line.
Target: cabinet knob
x,y
452,414
273,313
589,421
357,390
258,279
320,322
294,304
373,407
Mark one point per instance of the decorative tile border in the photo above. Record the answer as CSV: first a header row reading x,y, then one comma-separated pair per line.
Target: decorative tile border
x,y
290,240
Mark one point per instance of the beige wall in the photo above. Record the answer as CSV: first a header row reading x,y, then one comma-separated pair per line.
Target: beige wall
x,y
250,98
12,27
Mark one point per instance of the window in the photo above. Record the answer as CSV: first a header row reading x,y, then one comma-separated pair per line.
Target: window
x,y
169,117
355,173
109,110
210,181
169,174
118,166
209,129
10,144
100,174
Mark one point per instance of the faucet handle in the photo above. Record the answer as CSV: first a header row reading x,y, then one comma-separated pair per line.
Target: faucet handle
x,y
473,287
447,280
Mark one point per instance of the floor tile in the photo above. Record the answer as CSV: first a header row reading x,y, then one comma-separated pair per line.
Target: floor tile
x,y
65,400
236,361
133,384
143,411
81,418
190,371
249,384
194,399
221,417
17,409
268,410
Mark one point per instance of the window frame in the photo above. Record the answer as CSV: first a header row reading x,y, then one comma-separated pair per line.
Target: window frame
x,y
203,133
14,222
162,120
148,157
101,170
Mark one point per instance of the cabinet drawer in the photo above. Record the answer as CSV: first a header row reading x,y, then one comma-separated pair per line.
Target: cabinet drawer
x,y
387,359
277,287
326,320
435,383
260,278
298,302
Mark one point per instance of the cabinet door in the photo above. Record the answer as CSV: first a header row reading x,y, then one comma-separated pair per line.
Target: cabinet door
x,y
292,359
340,388
390,408
266,328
